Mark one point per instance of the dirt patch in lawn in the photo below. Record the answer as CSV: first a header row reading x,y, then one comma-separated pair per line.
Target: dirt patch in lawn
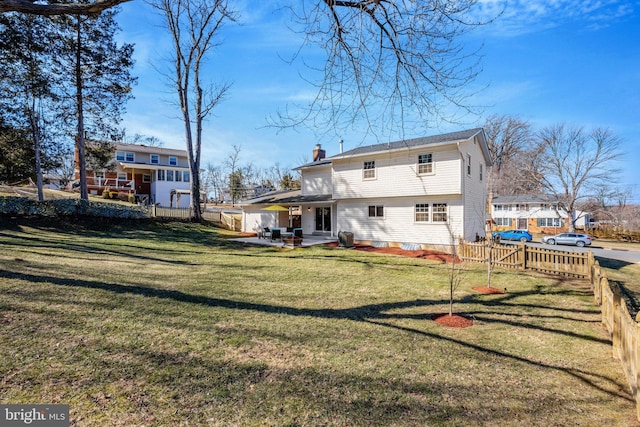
x,y
420,253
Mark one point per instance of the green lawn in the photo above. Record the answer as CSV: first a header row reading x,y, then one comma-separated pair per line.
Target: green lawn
x,y
172,324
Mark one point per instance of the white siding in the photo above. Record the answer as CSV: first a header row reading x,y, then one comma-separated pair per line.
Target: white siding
x,y
396,175
255,220
161,193
474,190
316,180
398,224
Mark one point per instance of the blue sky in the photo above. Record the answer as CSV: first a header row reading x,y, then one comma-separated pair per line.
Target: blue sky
x,y
545,61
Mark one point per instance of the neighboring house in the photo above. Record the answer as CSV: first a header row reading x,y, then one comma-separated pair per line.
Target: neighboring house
x,y
535,213
152,174
421,191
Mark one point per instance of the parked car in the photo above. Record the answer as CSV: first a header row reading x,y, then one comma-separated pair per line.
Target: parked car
x,y
568,239
522,235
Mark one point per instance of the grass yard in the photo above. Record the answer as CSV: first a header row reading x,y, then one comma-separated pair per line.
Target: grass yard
x,y
171,324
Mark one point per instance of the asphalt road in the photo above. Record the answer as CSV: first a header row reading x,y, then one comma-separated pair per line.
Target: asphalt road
x,y
626,255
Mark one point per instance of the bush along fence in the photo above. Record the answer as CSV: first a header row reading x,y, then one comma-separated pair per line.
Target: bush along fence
x,y
623,328
22,206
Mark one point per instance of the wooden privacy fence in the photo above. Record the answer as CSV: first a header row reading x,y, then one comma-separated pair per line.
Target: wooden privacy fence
x,y
623,329
525,257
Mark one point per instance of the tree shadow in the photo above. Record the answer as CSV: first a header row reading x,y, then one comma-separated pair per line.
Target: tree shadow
x,y
376,314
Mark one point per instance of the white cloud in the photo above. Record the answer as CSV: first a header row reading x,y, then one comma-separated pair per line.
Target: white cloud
x,y
526,16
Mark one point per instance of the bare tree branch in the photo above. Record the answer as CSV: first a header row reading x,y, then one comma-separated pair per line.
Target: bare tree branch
x,y
29,6
387,63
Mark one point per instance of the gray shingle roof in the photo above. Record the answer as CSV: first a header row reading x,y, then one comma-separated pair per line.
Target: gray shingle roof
x,y
287,197
410,143
407,143
524,198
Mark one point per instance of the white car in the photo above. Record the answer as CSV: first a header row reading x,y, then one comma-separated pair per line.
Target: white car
x,y
576,239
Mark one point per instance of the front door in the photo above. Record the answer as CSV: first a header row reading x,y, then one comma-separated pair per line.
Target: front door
x,y
323,219
522,224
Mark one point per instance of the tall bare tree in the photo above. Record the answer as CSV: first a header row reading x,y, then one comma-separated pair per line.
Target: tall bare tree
x,y
573,165
509,140
388,65
193,25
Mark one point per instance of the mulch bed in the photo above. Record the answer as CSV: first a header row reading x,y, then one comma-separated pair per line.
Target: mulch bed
x,y
453,321
421,253
486,290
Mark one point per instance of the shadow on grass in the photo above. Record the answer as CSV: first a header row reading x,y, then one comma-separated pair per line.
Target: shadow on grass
x,y
613,264
373,313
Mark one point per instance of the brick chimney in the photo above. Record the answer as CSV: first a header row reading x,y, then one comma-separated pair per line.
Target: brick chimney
x,y
318,153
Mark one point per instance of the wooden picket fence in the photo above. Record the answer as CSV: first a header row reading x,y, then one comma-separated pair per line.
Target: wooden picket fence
x,y
623,329
523,257
225,220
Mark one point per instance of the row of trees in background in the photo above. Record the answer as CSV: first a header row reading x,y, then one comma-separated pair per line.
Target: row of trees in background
x,y
574,165
239,180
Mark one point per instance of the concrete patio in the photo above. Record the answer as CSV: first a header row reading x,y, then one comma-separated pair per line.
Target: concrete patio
x,y
307,240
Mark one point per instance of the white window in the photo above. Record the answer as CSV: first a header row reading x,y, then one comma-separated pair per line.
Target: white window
x,y
160,175
173,161
425,163
185,176
169,175
129,157
369,170
179,176
548,222
422,212
146,178
506,222
439,212
154,159
120,156
122,176
376,211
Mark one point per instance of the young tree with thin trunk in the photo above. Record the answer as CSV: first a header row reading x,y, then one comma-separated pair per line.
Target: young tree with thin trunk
x,y
193,25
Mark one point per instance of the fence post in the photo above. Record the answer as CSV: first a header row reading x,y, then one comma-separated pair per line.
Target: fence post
x,y
637,362
617,327
523,256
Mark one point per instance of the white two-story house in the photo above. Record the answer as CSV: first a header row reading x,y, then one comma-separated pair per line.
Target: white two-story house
x,y
535,213
427,191
152,174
